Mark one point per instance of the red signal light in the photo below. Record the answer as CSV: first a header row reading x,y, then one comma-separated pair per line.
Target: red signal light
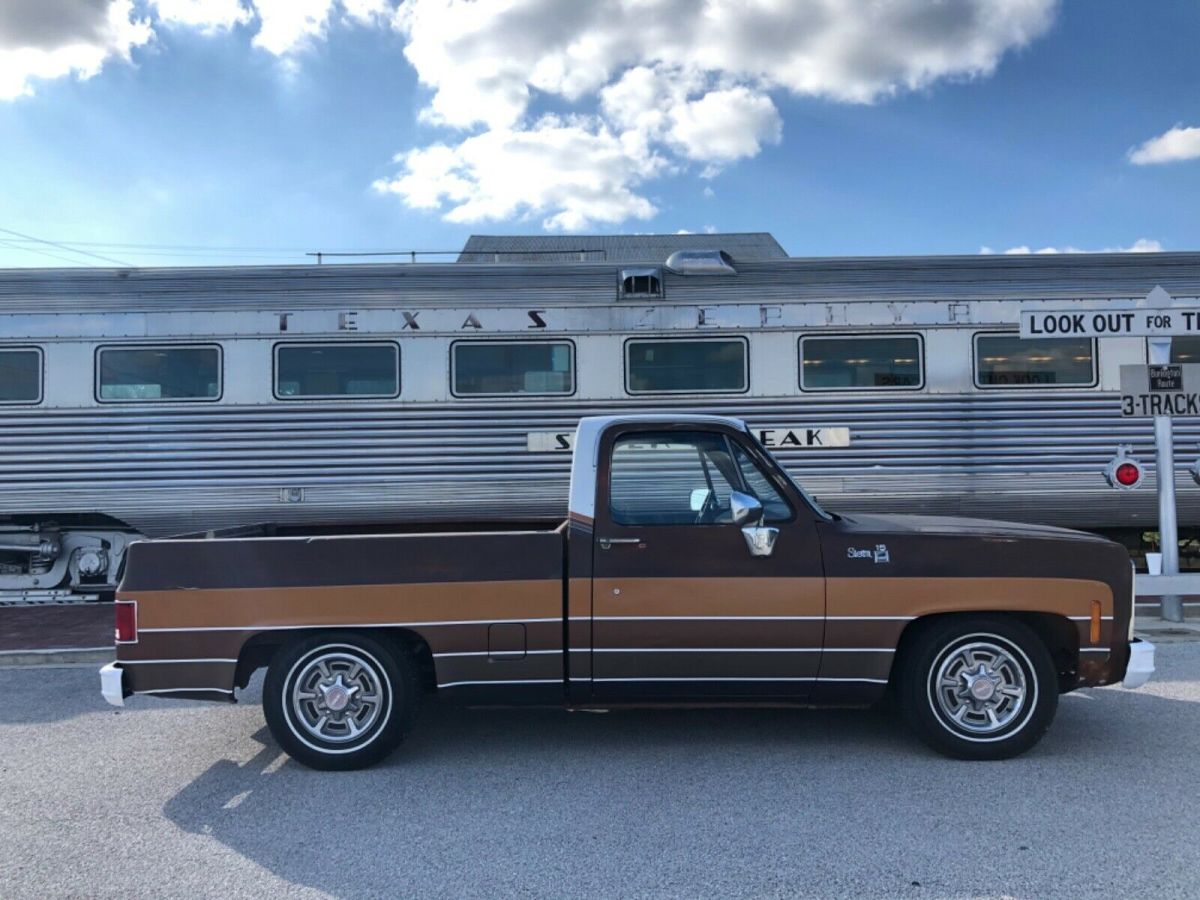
x,y
1127,474
126,615
1123,471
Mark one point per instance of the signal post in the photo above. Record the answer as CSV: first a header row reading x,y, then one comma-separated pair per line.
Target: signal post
x,y
1159,389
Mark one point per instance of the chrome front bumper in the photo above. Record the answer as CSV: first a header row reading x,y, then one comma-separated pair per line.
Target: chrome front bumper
x,y
1141,664
112,684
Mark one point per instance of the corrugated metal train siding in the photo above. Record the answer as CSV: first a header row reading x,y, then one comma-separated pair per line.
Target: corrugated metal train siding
x,y
1034,457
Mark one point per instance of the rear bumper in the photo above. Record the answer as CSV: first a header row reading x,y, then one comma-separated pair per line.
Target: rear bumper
x,y
112,684
1141,664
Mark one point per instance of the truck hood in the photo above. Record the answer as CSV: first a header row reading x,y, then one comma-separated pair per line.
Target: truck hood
x,y
953,526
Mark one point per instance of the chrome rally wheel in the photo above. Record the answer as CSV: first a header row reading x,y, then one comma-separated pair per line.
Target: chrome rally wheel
x,y
338,695
980,687
977,686
340,700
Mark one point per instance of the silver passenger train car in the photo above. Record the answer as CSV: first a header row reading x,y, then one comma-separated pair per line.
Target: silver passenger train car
x,y
160,401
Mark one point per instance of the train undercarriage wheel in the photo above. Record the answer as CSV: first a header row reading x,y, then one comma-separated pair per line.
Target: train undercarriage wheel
x,y
979,687
340,700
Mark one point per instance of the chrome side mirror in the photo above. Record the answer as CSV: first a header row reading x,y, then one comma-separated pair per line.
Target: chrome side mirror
x,y
748,512
744,508
760,539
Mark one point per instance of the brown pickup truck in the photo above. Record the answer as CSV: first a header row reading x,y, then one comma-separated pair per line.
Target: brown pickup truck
x,y
690,569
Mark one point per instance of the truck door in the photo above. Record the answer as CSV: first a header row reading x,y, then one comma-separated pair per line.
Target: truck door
x,y
681,605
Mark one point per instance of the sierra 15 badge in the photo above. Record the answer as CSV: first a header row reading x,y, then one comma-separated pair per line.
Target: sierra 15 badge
x,y
878,555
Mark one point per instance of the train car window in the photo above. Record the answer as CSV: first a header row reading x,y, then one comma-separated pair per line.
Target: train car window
x,y
1185,350
675,366
313,371
1006,360
148,374
860,362
526,367
20,375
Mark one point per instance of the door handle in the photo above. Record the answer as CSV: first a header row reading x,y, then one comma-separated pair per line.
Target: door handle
x,y
605,542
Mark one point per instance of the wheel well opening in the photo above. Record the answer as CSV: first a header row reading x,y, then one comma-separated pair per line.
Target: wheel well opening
x,y
260,649
1058,633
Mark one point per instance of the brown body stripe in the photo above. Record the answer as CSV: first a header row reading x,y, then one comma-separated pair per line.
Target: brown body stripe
x,y
923,596
763,596
375,604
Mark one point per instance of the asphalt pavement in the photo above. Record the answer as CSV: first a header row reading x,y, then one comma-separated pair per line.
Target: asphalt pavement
x,y
166,798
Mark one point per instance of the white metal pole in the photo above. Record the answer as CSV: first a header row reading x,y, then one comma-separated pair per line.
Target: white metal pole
x,y
1171,607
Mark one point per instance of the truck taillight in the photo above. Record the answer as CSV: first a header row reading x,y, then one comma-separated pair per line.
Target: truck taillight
x,y
126,614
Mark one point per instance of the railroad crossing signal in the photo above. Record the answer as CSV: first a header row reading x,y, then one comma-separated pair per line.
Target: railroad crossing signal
x,y
1124,472
1156,319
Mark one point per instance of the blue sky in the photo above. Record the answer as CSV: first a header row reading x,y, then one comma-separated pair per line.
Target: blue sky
x,y
246,134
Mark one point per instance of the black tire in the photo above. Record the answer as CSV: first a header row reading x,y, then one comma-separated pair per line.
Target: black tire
x,y
297,693
1014,660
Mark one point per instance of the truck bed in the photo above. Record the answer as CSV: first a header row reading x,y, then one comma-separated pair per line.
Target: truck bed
x,y
476,599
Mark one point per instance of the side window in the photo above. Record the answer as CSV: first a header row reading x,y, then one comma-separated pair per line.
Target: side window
x,y
311,371
147,374
1006,360
513,368
1185,349
775,508
860,362
21,375
671,366
671,478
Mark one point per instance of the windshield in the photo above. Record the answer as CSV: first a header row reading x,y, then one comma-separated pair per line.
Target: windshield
x,y
808,498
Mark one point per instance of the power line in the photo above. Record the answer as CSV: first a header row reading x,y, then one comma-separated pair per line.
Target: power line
x,y
12,245
29,237
185,247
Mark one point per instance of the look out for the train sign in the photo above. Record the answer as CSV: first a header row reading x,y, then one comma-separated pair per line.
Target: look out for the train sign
x,y
1151,317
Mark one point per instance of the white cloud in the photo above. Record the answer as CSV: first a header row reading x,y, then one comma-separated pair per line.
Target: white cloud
x,y
47,39
1141,245
574,173
844,50
209,16
641,88
288,25
1175,145
724,126
681,81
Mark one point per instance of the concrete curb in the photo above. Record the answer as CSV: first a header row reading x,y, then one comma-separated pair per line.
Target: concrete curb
x,y
86,656
1161,632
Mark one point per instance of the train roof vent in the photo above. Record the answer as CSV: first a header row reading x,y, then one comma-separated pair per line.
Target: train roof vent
x,y
641,282
701,262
